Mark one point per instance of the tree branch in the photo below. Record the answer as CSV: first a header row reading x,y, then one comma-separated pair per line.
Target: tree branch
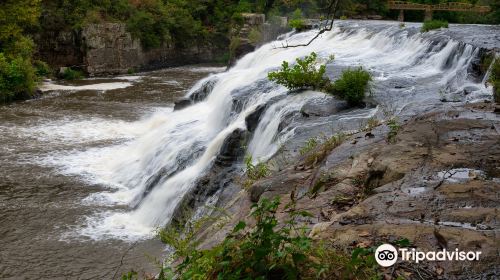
x,y
332,8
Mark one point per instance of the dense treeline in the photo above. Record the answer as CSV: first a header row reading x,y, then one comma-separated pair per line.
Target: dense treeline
x,y
176,22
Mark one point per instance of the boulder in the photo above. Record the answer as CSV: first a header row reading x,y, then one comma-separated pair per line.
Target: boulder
x,y
202,93
323,107
182,103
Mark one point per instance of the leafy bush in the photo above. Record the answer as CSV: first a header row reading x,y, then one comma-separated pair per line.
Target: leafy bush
x,y
298,24
70,74
297,20
433,24
17,78
42,69
267,251
352,85
302,75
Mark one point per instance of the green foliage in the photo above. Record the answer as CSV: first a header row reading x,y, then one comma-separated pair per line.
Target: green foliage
x,y
17,78
70,74
255,172
433,24
394,128
495,79
352,85
302,75
297,20
267,251
321,151
17,74
309,146
255,36
131,275
42,69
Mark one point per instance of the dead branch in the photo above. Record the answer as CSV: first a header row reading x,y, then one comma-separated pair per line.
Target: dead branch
x,y
332,9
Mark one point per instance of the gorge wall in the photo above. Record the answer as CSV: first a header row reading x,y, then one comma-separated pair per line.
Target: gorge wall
x,y
108,48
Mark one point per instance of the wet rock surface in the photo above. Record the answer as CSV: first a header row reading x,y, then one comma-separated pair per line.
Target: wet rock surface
x,y
436,184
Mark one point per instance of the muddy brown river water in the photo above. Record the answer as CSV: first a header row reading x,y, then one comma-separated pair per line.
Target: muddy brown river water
x,y
43,206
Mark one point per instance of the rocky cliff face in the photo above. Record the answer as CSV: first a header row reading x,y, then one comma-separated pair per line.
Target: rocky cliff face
x,y
108,48
60,48
254,32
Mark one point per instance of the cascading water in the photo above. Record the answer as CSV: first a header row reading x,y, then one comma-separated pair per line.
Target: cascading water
x,y
152,173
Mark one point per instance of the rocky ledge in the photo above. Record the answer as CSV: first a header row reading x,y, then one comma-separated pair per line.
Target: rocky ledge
x,y
436,184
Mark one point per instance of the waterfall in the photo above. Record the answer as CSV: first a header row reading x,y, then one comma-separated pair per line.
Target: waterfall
x,y
152,173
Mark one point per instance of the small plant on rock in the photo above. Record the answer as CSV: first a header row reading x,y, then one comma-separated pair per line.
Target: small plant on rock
x,y
254,172
309,146
352,85
302,75
70,74
305,74
433,24
394,128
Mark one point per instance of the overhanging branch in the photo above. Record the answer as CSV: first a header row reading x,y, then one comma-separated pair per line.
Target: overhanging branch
x,y
332,8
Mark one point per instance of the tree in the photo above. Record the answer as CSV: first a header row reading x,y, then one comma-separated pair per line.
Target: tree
x,y
17,74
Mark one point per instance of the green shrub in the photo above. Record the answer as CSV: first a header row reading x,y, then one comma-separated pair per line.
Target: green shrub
x,y
42,69
70,74
302,75
433,24
495,79
298,24
297,20
17,78
351,86
267,251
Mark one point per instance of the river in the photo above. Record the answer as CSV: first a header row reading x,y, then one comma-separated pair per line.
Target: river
x,y
92,168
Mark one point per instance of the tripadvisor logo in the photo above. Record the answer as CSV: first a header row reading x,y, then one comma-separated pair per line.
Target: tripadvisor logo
x,y
387,255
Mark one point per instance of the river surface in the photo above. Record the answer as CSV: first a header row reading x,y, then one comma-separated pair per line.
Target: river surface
x,y
90,170
44,203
